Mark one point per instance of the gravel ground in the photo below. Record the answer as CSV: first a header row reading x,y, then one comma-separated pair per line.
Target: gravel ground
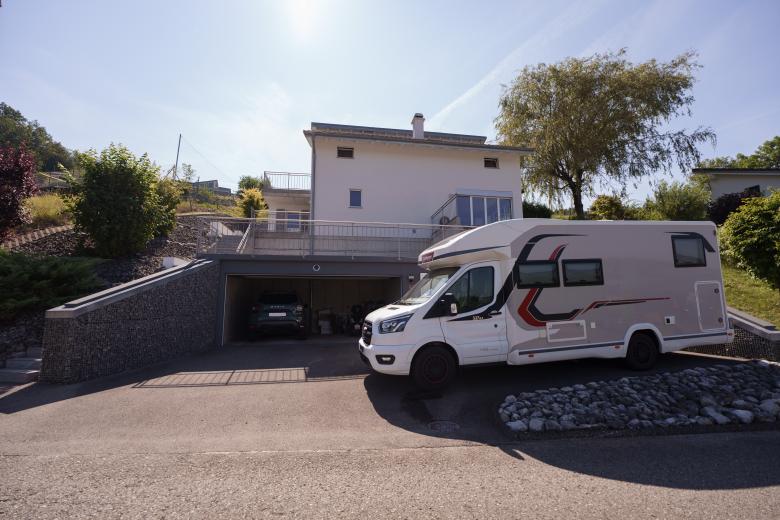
x,y
737,394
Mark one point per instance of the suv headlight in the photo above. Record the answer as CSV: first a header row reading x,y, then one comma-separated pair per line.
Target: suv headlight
x,y
394,324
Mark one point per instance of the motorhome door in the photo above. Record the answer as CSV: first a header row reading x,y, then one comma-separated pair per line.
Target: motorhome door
x,y
477,333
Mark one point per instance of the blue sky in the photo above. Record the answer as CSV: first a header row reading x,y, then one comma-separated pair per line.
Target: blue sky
x,y
241,79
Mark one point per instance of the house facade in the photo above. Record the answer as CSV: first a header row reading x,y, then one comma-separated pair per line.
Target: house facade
x,y
737,180
348,233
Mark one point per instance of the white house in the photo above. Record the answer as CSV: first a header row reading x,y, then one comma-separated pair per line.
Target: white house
x,y
349,232
368,174
737,180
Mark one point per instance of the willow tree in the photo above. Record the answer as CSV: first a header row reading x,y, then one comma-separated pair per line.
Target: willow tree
x,y
600,121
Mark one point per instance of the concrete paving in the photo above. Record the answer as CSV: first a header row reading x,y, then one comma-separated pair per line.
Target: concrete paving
x,y
215,435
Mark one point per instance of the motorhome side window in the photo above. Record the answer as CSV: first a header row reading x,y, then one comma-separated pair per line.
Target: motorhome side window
x,y
541,273
582,272
688,252
474,289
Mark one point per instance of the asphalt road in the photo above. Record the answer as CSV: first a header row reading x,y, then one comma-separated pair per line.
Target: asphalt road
x,y
204,437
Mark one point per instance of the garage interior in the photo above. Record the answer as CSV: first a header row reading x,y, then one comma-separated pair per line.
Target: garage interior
x,y
329,300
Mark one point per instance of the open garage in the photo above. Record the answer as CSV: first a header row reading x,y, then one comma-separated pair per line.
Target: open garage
x,y
332,304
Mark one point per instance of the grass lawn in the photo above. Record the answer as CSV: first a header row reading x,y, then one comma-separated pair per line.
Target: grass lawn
x,y
753,296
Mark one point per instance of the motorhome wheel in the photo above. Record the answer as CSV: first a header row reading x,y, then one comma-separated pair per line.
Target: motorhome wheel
x,y
642,352
433,368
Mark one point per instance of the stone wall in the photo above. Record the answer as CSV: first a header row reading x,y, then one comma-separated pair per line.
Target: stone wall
x,y
24,332
746,345
134,325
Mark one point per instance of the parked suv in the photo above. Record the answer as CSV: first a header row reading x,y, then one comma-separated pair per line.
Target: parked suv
x,y
279,312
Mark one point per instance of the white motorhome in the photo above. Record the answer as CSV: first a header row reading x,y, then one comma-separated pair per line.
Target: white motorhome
x,y
535,290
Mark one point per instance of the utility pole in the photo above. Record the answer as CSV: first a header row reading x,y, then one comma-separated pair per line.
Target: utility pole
x,y
178,147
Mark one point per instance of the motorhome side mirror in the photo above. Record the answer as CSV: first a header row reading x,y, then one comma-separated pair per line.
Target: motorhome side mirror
x,y
448,305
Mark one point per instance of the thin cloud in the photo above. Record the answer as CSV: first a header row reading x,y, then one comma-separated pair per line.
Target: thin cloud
x,y
575,15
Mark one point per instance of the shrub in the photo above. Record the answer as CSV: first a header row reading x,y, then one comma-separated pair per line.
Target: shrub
x,y
47,210
751,238
719,209
169,195
118,203
535,210
677,201
251,199
607,207
17,183
29,283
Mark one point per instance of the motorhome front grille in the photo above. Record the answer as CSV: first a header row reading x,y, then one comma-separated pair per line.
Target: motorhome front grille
x,y
366,333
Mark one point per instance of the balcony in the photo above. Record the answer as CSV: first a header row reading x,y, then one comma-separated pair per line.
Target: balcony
x,y
286,182
298,237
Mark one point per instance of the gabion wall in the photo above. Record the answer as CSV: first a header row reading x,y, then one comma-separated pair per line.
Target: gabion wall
x,y
167,320
745,345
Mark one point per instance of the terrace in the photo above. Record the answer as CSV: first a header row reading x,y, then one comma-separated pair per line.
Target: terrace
x,y
301,237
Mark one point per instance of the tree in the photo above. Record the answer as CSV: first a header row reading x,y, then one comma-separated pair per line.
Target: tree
x,y
719,210
119,201
17,131
766,156
751,238
248,182
251,199
17,183
677,201
600,121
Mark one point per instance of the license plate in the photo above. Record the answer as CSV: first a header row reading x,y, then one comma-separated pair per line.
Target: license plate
x,y
277,314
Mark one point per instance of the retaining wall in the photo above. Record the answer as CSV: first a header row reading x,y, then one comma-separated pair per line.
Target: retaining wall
x,y
753,339
133,325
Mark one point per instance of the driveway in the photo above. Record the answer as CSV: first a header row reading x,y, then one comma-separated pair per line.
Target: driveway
x,y
300,429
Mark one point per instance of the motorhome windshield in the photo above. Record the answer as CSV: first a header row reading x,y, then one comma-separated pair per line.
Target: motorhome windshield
x,y
424,290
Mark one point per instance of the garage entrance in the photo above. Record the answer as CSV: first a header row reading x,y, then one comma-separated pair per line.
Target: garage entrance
x,y
332,304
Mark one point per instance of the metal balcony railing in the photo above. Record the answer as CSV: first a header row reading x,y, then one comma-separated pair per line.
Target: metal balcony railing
x,y
286,181
296,237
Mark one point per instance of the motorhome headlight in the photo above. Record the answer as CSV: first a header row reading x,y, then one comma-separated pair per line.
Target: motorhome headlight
x,y
394,324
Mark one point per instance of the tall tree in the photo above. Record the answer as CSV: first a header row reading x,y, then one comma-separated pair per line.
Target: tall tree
x,y
766,156
17,131
600,121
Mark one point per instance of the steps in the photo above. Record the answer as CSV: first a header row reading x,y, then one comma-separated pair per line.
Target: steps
x,y
21,370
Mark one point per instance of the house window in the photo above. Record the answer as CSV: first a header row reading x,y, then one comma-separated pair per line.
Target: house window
x,y
491,162
345,153
582,272
688,252
536,273
476,210
355,199
474,289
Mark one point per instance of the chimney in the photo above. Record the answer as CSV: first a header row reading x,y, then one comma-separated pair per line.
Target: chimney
x,y
418,129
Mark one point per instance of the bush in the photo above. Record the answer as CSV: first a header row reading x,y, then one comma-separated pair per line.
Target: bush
x,y
29,283
17,183
251,199
536,210
751,238
47,210
719,209
607,207
169,195
677,201
118,202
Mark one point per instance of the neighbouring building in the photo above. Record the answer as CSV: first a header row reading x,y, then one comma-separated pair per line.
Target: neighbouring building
x,y
212,186
737,180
